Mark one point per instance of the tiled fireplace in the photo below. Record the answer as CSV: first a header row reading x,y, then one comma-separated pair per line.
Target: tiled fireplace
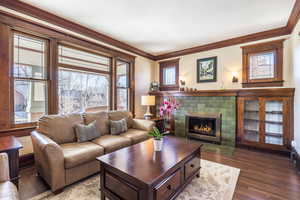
x,y
225,106
204,126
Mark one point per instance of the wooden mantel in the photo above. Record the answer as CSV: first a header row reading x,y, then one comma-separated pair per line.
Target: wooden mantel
x,y
269,92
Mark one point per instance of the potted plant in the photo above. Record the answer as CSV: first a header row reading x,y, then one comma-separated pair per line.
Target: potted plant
x,y
158,139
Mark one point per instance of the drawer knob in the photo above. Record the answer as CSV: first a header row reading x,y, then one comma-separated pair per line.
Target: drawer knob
x,y
192,165
169,187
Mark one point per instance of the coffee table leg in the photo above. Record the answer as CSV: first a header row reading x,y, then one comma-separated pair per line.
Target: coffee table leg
x,y
198,175
102,196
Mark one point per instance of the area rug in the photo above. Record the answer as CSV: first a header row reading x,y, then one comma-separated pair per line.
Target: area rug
x,y
216,182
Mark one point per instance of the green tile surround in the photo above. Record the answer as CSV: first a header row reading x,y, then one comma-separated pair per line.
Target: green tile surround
x,y
224,105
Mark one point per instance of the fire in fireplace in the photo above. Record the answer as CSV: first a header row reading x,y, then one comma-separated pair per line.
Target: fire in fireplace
x,y
204,126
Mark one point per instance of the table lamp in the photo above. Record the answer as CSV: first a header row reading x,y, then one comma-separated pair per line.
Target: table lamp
x,y
148,101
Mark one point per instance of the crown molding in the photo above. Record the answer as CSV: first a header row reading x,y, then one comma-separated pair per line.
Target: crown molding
x,y
67,24
294,17
288,29
226,43
33,11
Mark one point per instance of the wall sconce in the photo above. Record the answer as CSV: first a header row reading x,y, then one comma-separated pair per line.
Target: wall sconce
x,y
235,78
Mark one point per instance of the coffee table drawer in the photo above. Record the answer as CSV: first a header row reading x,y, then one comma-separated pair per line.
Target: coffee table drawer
x,y
191,167
168,186
120,188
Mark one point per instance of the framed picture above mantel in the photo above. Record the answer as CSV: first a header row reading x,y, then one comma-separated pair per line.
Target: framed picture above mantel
x,y
207,70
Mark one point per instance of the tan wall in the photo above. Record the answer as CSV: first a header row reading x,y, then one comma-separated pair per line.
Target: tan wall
x,y
229,60
143,77
295,63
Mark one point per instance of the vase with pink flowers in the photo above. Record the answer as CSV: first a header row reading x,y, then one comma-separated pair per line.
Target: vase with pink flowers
x,y
167,110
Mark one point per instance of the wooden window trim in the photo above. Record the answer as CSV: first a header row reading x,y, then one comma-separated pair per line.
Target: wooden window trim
x,y
10,23
162,66
130,87
46,79
273,46
74,67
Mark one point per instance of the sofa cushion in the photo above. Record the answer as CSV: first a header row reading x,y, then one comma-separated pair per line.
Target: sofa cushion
x,y
78,153
59,128
118,115
112,142
86,133
136,135
102,121
118,127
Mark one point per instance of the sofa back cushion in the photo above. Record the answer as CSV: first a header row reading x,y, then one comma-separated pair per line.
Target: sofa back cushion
x,y
86,133
118,127
60,128
118,115
102,121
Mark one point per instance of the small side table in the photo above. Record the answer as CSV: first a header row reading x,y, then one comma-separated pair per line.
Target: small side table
x,y
11,146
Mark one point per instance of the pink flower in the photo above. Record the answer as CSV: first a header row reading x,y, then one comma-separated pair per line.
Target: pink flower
x,y
168,107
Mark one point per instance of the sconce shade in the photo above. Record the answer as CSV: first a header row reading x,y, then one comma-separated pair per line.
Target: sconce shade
x,y
148,100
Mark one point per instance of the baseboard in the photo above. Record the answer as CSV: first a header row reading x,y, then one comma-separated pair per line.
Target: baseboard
x,y
26,160
295,157
286,153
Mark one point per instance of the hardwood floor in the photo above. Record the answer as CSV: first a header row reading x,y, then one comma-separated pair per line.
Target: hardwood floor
x,y
263,176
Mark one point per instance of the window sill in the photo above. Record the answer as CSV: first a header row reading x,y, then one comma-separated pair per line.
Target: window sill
x,y
18,132
263,84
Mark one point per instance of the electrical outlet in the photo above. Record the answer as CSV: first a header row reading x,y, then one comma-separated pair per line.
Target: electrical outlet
x,y
294,143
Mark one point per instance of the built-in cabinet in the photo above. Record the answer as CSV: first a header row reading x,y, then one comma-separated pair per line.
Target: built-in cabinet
x,y
265,122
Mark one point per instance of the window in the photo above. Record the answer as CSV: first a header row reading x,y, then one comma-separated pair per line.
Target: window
x,y
262,64
123,85
84,80
169,75
29,77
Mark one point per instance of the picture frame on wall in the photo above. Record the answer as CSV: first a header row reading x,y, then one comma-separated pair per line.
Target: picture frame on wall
x,y
207,70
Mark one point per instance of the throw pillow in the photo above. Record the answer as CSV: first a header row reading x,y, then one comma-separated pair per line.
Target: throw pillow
x,y
86,133
118,127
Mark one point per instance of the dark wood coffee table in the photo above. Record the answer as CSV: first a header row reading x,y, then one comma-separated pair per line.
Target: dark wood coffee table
x,y
139,173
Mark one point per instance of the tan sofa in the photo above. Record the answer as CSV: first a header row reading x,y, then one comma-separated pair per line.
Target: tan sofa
x,y
61,160
8,190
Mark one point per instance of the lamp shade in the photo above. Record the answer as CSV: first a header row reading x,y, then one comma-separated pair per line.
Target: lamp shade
x,y
148,100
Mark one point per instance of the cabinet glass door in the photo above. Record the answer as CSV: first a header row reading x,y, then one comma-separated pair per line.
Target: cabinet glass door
x,y
274,122
251,120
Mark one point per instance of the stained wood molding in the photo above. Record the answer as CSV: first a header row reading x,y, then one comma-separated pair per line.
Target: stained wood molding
x,y
225,43
294,17
17,132
33,11
29,26
275,46
288,29
282,92
59,21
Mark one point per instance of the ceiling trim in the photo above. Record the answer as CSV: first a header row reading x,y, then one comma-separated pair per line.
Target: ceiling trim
x,y
294,17
28,26
226,43
33,11
288,29
75,27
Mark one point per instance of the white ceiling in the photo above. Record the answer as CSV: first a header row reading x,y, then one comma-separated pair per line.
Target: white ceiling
x,y
161,26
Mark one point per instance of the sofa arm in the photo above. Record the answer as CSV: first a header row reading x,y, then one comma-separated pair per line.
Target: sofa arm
x,y
49,160
142,124
4,167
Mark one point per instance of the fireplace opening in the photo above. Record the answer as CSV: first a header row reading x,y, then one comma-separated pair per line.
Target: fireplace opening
x,y
204,126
